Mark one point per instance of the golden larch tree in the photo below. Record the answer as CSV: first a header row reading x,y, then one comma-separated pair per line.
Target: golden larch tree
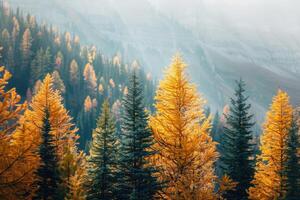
x,y
186,151
74,72
58,83
16,30
269,175
11,180
88,105
100,89
90,78
28,133
26,46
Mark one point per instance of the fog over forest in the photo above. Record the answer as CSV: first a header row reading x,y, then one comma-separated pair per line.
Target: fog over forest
x,y
221,40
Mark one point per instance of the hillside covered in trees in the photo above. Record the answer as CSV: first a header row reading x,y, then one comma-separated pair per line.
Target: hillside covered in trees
x,y
84,76
77,125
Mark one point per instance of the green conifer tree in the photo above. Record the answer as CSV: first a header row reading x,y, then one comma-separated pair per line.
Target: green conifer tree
x,y
48,178
136,174
237,152
102,158
293,164
215,130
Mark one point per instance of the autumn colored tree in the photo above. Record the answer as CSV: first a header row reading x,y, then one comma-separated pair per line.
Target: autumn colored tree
x,y
236,149
87,118
77,180
31,21
15,30
100,89
88,104
90,79
74,72
29,132
37,86
270,177
102,158
137,176
186,152
25,54
58,83
12,182
59,60
51,50
225,184
26,47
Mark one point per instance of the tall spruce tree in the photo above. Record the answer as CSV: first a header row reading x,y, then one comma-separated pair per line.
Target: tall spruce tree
x,y
102,162
293,164
237,152
215,130
136,174
48,178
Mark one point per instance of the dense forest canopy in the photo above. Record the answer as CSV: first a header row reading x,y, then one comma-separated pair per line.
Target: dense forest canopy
x,y
84,76
77,125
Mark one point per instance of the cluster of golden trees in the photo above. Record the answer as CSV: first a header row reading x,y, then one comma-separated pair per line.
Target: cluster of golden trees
x,y
21,135
186,152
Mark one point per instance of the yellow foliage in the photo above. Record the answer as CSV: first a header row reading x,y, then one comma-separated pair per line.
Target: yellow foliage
x,y
90,77
125,92
116,61
27,136
78,172
268,179
100,88
57,40
92,53
135,65
88,105
26,44
37,86
32,22
186,151
74,70
16,29
11,180
76,40
112,83
225,184
68,37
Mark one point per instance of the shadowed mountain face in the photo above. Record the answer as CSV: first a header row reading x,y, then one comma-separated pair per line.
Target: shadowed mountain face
x,y
220,42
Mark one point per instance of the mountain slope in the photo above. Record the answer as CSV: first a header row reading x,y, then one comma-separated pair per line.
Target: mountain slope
x,y
217,48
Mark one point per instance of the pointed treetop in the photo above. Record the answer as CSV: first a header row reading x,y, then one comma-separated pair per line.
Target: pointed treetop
x,y
177,61
268,182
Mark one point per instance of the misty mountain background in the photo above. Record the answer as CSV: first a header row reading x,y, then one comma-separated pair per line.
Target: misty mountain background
x,y
221,40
